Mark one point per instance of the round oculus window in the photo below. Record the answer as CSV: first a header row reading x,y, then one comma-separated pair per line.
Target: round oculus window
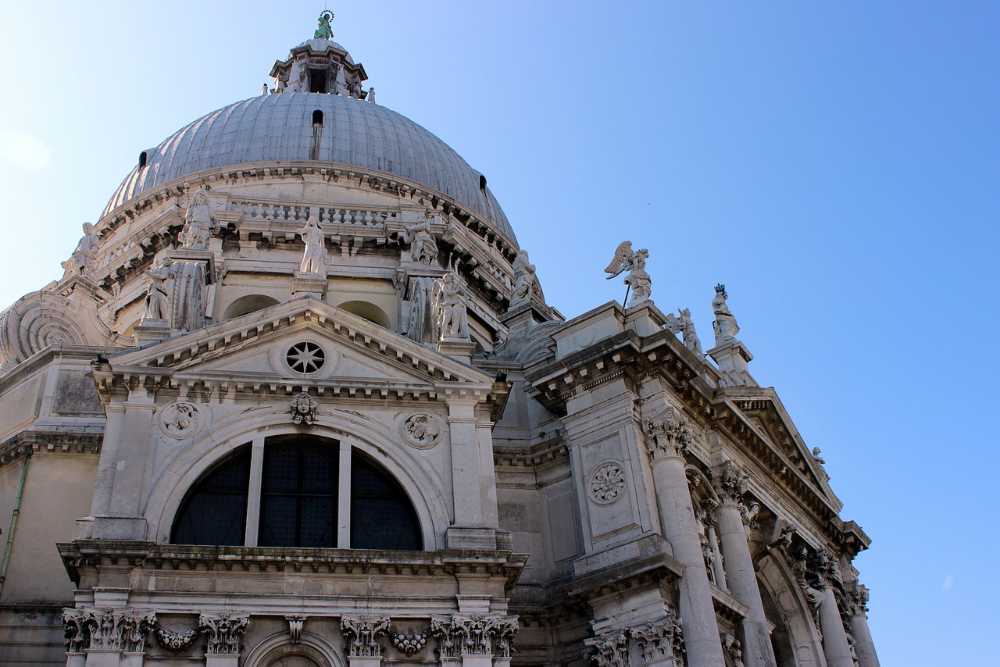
x,y
305,357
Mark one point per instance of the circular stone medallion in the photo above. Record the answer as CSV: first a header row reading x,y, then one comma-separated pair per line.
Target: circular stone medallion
x,y
305,357
180,419
421,430
607,483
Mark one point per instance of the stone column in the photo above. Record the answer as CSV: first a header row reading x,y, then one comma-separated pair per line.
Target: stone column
x,y
863,644
731,484
224,633
835,644
666,440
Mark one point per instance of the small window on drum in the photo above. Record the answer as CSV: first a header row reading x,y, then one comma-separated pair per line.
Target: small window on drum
x,y
214,510
382,516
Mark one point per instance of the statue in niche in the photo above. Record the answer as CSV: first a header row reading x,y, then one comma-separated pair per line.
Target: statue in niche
x,y
725,324
83,253
314,257
449,305
423,248
524,279
633,261
197,223
157,296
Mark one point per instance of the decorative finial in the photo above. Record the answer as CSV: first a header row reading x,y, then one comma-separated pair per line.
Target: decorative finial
x,y
721,289
324,29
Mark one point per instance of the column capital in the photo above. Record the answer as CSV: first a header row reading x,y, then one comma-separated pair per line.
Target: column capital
x,y
224,632
123,630
490,635
362,634
668,435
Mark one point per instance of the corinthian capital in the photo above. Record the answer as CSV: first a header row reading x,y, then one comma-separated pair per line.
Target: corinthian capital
x,y
731,483
362,634
224,632
610,649
108,629
668,435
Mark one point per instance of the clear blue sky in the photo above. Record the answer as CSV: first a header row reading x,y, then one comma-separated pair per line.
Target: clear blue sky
x,y
837,168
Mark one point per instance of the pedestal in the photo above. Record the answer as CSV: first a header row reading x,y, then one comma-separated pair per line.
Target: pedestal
x,y
151,332
309,284
458,349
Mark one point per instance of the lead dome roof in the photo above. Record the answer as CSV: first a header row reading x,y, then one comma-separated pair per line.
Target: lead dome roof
x,y
279,127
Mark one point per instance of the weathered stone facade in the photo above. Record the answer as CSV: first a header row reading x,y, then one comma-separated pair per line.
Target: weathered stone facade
x,y
299,400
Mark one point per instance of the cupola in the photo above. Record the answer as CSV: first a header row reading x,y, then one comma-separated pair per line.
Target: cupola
x,y
320,65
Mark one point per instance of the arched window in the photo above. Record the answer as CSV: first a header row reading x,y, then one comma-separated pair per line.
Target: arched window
x,y
317,117
297,499
214,510
248,304
381,514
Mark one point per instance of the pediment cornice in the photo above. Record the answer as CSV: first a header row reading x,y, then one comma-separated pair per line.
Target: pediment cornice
x,y
191,359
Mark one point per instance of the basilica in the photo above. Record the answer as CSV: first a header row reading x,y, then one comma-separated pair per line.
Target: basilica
x,y
298,400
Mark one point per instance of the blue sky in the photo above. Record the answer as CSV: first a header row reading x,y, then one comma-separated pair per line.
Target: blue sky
x,y
835,166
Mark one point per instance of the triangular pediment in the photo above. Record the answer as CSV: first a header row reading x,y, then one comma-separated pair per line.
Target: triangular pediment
x,y
763,411
261,349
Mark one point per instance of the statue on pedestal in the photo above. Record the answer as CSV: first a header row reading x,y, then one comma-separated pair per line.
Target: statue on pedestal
x,y
725,324
83,253
197,223
524,279
423,248
157,296
314,257
449,305
324,27
638,281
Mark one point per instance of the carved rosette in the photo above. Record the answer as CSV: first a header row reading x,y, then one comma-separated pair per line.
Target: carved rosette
x,y
224,632
409,644
107,629
607,483
179,420
668,436
362,634
421,430
460,635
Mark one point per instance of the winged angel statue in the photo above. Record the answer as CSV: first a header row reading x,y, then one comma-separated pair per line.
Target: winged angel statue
x,y
633,261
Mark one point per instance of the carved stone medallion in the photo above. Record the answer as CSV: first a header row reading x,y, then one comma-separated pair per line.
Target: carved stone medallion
x,y
180,420
421,430
607,483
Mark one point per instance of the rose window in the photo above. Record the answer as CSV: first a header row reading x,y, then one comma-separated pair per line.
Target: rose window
x,y
305,357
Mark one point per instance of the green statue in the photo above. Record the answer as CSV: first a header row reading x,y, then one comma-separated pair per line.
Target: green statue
x,y
324,30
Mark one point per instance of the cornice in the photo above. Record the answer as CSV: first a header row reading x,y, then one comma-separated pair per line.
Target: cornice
x,y
30,443
542,455
82,555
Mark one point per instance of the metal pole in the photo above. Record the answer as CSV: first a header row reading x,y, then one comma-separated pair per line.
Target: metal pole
x,y
9,546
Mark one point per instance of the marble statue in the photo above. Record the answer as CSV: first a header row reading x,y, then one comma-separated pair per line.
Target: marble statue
x,y
157,296
324,29
725,324
691,340
83,253
423,248
314,257
197,223
817,455
187,297
638,281
449,305
524,279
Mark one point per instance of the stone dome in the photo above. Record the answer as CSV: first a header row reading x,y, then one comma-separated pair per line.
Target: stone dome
x,y
279,127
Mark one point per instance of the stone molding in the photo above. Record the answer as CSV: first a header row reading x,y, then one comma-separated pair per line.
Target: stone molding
x,y
32,443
